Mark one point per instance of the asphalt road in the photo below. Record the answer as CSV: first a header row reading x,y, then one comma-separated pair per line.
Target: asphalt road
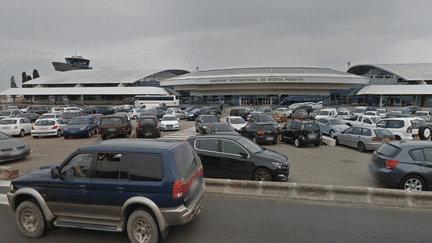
x,y
250,219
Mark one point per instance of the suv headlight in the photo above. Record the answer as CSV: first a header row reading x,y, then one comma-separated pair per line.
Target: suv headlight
x,y
12,188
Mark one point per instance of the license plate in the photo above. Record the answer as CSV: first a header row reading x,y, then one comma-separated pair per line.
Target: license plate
x,y
269,138
312,135
148,133
112,129
43,128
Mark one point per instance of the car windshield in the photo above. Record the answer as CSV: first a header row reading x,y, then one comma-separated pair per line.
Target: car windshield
x,y
223,127
45,123
266,118
169,118
249,145
5,113
375,119
68,115
369,113
358,110
195,110
336,122
323,113
5,121
237,121
78,121
381,111
209,119
47,116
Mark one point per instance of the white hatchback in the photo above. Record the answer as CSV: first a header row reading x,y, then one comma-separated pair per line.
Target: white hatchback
x,y
16,126
48,127
236,121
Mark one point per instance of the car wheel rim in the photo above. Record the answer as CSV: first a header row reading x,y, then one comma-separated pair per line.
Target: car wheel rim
x,y
296,143
142,231
413,184
427,133
22,133
263,176
331,134
29,220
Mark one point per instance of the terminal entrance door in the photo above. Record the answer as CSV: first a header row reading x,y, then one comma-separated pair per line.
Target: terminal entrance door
x,y
255,101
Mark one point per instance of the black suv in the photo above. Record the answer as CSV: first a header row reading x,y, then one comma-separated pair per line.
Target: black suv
x,y
301,133
236,157
239,112
114,125
202,122
148,126
134,185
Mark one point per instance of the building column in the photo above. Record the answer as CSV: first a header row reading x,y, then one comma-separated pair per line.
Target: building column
x,y
380,102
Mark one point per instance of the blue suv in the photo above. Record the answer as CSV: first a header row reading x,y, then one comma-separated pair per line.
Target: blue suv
x,y
136,185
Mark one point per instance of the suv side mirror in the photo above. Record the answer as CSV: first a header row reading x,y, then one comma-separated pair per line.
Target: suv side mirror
x,y
55,173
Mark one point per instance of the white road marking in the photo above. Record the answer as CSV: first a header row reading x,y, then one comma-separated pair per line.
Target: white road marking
x,y
4,183
3,199
91,141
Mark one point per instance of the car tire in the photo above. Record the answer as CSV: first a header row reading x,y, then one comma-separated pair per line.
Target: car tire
x,y
35,136
104,137
297,143
317,144
361,147
331,133
413,183
424,132
22,133
30,219
274,142
89,134
337,140
66,137
254,139
141,225
262,174
59,133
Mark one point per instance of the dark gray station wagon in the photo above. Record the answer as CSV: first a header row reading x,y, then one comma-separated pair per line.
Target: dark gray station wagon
x,y
136,185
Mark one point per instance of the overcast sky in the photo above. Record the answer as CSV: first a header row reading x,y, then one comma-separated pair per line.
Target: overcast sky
x,y
139,34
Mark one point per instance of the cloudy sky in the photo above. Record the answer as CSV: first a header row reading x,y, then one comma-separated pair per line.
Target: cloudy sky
x,y
162,34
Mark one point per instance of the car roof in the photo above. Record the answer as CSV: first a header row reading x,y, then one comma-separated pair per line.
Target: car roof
x,y
133,145
232,137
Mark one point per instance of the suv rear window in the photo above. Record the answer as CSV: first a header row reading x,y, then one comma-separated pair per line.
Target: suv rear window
x,y
111,121
388,150
148,121
311,127
186,161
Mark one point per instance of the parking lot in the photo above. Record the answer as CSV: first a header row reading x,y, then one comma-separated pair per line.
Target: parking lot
x,y
322,165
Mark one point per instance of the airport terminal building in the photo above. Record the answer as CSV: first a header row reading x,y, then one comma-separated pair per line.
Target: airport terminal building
x,y
263,85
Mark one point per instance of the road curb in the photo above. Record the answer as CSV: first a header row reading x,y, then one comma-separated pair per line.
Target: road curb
x,y
346,194
8,173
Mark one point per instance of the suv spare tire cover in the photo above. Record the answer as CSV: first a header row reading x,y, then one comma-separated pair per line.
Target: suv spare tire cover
x,y
424,132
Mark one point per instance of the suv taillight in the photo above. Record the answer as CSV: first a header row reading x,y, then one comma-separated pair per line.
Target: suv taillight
x,y
54,127
177,189
180,189
260,132
409,129
390,164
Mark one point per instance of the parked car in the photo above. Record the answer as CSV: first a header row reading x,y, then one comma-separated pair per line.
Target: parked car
x,y
12,149
406,128
57,110
413,108
81,126
48,116
16,126
343,114
134,113
330,126
203,121
285,110
72,110
371,113
31,116
314,113
265,118
193,114
260,132
9,113
300,114
325,113
359,110
301,133
104,110
178,113
237,122
279,116
66,117
39,109
308,108
114,126
365,121
48,127
134,185
236,157
364,138
424,115
220,128
169,122
239,112
382,112
148,126
404,165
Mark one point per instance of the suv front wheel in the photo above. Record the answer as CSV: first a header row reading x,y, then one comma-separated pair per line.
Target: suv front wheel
x,y
30,219
141,227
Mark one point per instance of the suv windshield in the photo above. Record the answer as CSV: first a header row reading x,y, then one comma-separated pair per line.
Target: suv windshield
x,y
237,121
209,119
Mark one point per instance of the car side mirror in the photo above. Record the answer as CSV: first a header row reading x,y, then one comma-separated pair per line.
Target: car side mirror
x,y
349,124
243,154
55,173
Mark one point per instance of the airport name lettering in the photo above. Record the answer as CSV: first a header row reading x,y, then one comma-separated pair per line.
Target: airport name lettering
x,y
232,80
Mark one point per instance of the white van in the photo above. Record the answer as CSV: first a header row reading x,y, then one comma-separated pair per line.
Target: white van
x,y
329,112
359,110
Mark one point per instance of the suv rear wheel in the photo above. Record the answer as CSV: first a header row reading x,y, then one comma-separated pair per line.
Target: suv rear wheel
x,y
30,219
141,227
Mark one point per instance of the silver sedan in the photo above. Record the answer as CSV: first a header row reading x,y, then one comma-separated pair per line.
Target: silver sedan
x,y
364,138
